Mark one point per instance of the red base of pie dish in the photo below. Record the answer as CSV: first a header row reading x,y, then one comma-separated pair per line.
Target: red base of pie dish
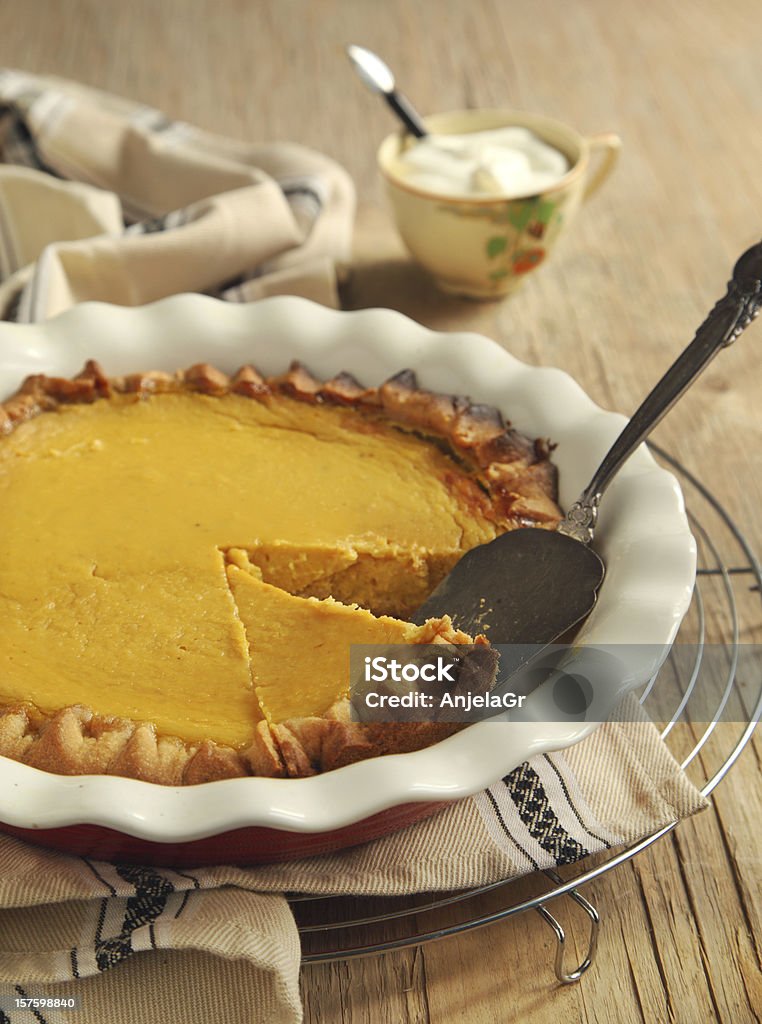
x,y
244,846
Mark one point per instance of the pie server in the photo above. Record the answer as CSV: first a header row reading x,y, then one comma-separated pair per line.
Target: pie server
x,y
530,586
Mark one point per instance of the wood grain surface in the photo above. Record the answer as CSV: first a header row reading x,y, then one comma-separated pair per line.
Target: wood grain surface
x,y
682,83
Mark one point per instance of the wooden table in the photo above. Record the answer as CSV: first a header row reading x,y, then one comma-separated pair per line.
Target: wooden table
x,y
682,83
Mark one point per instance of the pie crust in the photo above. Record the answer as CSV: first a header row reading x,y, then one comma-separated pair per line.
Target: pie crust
x,y
516,487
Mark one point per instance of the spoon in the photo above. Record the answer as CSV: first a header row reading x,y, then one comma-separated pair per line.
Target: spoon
x,y
378,77
530,586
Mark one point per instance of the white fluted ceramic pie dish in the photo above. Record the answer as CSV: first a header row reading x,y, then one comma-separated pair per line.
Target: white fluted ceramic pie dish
x,y
643,537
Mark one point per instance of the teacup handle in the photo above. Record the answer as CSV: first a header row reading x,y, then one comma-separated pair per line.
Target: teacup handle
x,y
609,145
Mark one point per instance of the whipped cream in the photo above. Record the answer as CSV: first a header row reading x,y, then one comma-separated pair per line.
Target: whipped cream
x,y
503,161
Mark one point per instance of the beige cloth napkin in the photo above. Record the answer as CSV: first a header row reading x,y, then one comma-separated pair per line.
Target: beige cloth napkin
x,y
203,213
241,221
142,943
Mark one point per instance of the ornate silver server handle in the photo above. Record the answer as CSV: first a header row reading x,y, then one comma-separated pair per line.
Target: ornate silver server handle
x,y
732,314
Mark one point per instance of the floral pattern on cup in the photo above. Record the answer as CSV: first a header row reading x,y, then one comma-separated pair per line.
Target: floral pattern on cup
x,y
520,225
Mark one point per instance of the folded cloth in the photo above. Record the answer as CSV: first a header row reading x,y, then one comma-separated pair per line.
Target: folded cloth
x,y
104,199
142,943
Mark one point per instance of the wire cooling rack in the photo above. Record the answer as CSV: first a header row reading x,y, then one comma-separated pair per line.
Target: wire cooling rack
x,y
712,706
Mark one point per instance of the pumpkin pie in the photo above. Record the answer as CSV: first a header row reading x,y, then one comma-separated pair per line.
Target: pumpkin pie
x,y
185,560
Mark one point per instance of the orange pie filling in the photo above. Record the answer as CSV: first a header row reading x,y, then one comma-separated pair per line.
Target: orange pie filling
x,y
182,573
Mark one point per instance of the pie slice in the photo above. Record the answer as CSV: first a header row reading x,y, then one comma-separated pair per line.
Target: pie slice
x,y
170,540
299,662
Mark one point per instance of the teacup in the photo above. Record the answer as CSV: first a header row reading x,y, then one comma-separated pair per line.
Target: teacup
x,y
483,246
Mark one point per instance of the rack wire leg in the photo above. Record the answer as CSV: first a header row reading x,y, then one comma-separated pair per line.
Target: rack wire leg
x,y
564,976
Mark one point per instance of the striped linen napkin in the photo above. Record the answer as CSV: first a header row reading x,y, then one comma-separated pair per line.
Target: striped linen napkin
x,y
103,199
141,943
